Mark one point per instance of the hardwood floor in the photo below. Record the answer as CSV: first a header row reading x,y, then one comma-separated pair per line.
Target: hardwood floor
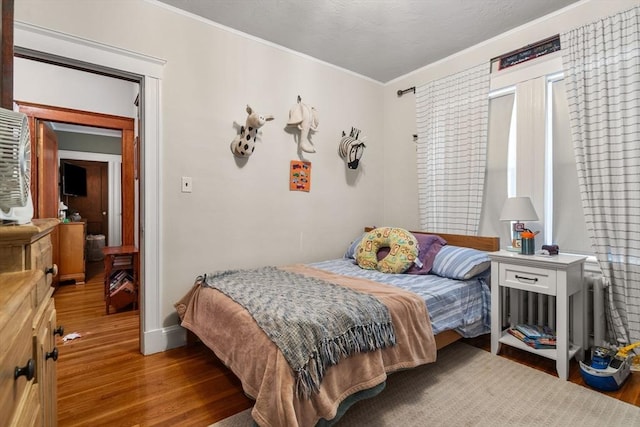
x,y
103,380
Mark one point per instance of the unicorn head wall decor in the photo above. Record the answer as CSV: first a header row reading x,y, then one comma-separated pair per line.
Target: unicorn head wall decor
x,y
244,143
352,147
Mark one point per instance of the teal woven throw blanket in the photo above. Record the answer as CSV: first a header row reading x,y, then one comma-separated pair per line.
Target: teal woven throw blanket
x,y
314,323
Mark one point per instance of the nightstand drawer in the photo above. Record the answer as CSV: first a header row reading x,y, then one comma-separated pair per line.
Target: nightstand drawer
x,y
533,279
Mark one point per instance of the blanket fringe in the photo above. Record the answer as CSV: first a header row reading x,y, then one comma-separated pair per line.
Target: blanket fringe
x,y
362,338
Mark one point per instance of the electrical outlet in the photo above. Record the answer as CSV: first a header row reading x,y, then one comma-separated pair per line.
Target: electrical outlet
x,y
187,184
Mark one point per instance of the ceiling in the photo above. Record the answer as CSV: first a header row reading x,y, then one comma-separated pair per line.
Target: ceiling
x,y
379,39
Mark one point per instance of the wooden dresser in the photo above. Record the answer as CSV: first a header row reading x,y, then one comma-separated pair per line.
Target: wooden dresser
x,y
71,239
27,325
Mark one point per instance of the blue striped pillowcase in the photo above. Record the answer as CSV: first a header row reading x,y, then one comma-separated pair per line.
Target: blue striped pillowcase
x,y
456,262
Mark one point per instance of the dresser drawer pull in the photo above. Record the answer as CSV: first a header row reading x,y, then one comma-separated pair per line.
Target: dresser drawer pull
x,y
58,331
53,270
530,279
52,355
28,370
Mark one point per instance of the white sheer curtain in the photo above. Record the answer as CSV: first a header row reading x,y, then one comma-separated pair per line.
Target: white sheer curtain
x,y
602,77
495,188
569,231
451,116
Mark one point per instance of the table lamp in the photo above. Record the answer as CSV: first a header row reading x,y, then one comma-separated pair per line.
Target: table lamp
x,y
517,209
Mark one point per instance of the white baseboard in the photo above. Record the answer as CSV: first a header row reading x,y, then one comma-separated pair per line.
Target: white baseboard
x,y
164,339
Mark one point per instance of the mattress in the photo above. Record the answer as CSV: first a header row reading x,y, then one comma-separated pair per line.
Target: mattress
x,y
460,305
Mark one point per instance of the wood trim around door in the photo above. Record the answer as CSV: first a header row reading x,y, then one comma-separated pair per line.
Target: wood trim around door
x,y
124,124
6,54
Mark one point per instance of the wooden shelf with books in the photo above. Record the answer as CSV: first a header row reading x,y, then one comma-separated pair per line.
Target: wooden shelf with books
x,y
121,265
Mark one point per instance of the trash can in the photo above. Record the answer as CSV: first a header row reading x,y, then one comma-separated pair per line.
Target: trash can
x,y
95,243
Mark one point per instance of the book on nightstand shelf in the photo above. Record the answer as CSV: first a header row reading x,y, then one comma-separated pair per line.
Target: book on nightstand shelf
x,y
534,336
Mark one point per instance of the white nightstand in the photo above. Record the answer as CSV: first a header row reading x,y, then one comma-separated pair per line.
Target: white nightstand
x,y
560,276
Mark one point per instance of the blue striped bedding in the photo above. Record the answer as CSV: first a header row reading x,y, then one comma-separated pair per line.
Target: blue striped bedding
x,y
462,305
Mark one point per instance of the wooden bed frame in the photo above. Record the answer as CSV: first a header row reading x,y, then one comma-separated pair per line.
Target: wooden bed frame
x,y
488,244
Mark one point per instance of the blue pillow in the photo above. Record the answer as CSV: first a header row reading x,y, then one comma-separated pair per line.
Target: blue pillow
x,y
351,252
456,262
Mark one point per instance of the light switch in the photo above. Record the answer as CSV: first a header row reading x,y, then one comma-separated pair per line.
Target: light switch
x,y
187,184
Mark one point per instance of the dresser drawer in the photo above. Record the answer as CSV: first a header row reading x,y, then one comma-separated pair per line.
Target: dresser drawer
x,y
41,258
27,247
29,411
526,278
43,289
17,354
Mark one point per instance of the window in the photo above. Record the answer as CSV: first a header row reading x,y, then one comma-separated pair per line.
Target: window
x,y
530,153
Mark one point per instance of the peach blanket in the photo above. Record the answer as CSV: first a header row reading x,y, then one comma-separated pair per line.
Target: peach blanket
x,y
230,331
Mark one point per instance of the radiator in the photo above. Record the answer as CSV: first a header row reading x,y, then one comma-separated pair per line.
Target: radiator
x,y
540,309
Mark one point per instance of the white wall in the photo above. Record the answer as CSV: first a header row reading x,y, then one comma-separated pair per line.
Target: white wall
x,y
238,215
400,195
47,84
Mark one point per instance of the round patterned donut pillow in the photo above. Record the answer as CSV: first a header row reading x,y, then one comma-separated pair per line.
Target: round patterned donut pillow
x,y
403,250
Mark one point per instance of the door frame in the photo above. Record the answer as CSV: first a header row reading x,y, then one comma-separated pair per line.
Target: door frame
x,y
38,112
155,336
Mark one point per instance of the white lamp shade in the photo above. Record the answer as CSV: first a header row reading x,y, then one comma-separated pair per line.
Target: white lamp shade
x,y
518,209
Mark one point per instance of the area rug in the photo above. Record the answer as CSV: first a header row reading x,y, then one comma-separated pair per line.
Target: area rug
x,y
471,387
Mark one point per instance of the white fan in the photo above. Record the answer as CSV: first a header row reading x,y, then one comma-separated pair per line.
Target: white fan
x,y
15,168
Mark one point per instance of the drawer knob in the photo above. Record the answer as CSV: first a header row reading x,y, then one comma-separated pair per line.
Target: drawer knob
x,y
530,279
52,270
58,331
52,355
27,370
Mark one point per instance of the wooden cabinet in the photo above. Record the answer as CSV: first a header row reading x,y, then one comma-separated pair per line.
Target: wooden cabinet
x,y
27,325
121,265
71,243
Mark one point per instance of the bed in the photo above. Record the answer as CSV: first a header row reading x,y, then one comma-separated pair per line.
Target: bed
x,y
265,370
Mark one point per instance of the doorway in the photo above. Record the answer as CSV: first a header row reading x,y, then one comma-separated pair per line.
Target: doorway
x,y
38,113
38,43
90,149
41,117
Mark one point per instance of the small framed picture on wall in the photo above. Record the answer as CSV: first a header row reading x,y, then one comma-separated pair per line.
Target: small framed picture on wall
x,y
300,176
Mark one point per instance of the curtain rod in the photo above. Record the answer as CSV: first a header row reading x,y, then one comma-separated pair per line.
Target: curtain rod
x,y
403,91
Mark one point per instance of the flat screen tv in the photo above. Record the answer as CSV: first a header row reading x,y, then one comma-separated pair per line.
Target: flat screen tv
x,y
74,180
